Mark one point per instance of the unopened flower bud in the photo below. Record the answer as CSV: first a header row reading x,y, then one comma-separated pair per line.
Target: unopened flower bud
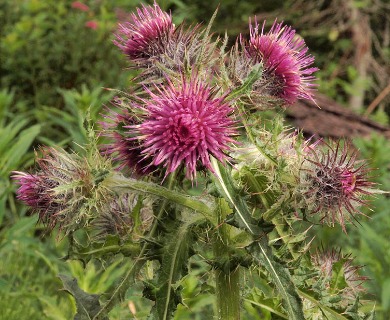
x,y
287,74
66,189
331,263
124,216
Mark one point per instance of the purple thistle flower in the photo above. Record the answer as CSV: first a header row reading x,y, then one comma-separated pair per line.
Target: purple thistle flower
x,y
336,183
35,192
285,61
146,35
186,124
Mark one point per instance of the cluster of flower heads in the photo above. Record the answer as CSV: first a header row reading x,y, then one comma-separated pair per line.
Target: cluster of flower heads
x,y
186,121
187,115
68,191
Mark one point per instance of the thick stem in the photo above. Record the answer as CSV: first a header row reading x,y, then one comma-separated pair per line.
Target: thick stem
x,y
227,280
228,294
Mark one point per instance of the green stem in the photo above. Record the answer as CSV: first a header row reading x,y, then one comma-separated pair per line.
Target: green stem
x,y
228,294
227,281
252,138
271,215
125,249
123,184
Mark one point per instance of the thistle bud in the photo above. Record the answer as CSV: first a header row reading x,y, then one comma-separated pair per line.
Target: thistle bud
x,y
287,74
65,191
332,264
146,35
127,216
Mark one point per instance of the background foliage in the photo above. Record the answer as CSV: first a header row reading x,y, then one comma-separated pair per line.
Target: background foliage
x,y
54,68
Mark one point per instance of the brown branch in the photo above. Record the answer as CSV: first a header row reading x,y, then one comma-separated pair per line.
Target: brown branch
x,y
377,100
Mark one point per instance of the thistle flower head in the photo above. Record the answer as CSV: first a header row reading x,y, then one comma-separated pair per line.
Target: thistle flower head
x,y
331,262
119,219
238,69
122,147
147,33
335,183
186,46
64,191
186,124
34,191
286,63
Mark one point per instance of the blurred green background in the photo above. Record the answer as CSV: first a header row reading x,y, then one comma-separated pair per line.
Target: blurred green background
x,y
56,61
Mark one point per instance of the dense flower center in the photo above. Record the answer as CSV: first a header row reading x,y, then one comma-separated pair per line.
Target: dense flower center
x,y
348,182
184,131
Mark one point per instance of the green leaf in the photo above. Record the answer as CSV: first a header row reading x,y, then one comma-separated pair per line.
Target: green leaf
x,y
203,205
266,304
174,262
386,294
99,249
338,282
227,189
18,149
87,304
327,311
280,276
260,249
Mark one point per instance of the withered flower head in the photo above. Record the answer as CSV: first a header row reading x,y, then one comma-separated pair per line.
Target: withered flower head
x,y
335,182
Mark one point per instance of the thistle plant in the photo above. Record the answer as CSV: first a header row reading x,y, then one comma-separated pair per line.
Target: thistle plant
x,y
191,173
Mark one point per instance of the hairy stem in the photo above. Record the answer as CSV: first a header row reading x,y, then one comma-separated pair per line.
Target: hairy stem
x,y
123,184
228,294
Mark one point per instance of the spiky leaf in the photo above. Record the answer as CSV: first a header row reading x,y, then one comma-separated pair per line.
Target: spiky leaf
x,y
87,304
280,276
